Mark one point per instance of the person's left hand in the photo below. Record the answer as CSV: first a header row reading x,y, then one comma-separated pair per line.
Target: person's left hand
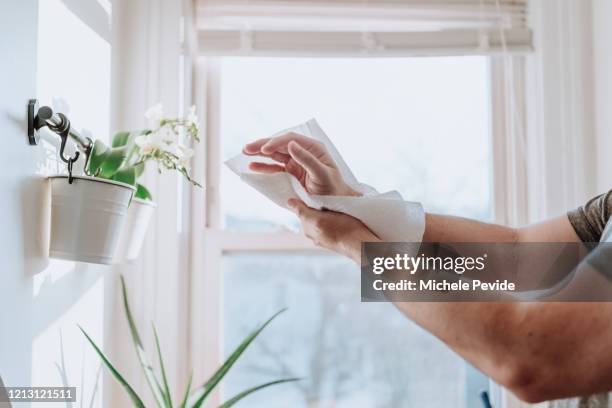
x,y
332,230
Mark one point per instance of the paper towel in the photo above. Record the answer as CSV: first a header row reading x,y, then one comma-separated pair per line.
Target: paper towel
x,y
387,215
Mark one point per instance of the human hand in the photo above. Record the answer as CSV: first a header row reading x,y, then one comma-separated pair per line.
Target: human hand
x,y
332,230
305,158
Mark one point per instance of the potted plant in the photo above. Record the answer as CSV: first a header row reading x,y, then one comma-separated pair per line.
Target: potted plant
x,y
164,143
89,212
87,215
158,384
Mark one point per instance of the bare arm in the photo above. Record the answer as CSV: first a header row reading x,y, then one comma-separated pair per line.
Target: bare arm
x,y
444,228
539,351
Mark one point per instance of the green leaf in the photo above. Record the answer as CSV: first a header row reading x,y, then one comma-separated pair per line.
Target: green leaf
x,y
212,382
187,391
120,139
98,154
112,162
143,193
126,175
142,357
140,168
243,394
167,396
134,397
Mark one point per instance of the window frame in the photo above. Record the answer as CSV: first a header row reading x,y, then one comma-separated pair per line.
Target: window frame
x,y
507,117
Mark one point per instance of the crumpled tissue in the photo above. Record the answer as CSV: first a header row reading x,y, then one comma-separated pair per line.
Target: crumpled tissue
x,y
387,215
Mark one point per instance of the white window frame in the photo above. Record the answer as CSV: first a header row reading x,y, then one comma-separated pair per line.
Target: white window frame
x,y
211,242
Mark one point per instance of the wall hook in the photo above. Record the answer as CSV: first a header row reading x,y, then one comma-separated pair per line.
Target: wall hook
x,y
59,124
63,130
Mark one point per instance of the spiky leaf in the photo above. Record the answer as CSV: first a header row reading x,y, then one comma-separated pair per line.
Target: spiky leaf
x,y
229,403
202,392
187,392
140,352
166,390
136,400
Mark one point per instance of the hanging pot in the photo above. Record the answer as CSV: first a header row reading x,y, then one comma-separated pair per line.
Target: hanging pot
x,y
87,217
134,231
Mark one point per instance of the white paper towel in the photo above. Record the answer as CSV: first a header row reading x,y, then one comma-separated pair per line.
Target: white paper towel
x,y
387,215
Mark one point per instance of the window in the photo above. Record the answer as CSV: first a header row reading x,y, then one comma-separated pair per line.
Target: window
x,y
418,125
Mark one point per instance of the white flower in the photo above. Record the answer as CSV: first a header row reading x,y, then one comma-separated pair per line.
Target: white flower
x,y
147,144
155,114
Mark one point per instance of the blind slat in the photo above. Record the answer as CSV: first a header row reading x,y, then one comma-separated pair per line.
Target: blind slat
x,y
353,44
389,27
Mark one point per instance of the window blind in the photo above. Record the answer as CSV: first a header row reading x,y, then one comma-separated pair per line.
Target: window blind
x,y
362,28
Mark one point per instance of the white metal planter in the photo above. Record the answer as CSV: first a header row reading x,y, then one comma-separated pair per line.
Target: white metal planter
x,y
87,217
136,224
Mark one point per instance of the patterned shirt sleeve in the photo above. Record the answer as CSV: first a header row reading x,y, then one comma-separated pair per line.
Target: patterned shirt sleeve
x,y
590,219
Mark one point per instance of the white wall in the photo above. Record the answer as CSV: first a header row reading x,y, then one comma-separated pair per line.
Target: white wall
x,y
602,77
49,48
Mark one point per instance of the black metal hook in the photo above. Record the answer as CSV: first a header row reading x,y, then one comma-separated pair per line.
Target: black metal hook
x,y
59,124
63,129
70,163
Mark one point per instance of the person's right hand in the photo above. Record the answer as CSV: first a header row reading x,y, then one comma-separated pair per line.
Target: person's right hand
x,y
305,158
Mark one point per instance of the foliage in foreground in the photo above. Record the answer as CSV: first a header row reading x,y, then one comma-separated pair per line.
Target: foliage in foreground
x,y
191,398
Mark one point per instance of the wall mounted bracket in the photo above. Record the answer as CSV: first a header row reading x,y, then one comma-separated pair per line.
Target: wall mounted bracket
x,y
39,117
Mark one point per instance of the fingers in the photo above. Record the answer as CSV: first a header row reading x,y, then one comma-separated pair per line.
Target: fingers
x,y
266,167
255,147
304,158
281,143
276,156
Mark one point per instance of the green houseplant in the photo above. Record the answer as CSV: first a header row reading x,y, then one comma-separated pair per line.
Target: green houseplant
x,y
191,398
165,143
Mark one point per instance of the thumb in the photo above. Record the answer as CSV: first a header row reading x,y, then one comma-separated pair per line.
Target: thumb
x,y
304,158
298,206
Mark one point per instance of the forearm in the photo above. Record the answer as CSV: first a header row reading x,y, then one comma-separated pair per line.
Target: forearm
x,y
481,332
539,351
516,344
444,228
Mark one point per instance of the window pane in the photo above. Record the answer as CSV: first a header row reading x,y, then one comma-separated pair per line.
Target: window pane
x,y
350,354
418,125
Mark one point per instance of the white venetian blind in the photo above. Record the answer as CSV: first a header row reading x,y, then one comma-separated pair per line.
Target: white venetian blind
x,y
361,27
